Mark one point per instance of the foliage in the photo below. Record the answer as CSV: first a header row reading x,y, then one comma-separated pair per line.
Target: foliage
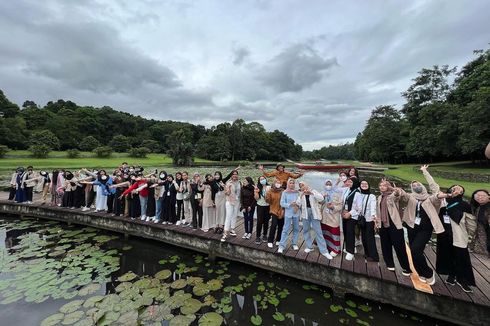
x,y
73,153
44,137
332,152
152,145
181,149
89,143
103,151
40,151
120,143
141,152
3,150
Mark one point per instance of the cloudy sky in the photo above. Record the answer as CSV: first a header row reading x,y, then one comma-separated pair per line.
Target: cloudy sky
x,y
314,69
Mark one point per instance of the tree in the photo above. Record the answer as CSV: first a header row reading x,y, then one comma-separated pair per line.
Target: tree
x,y
89,143
152,145
214,147
3,150
120,143
73,153
140,152
44,137
30,104
180,148
40,150
103,151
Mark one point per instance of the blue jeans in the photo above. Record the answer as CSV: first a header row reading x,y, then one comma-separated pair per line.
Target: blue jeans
x,y
308,224
143,204
249,220
288,220
159,208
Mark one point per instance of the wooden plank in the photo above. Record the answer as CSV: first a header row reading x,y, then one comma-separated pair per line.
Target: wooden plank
x,y
403,280
383,268
360,265
481,276
372,269
440,287
484,260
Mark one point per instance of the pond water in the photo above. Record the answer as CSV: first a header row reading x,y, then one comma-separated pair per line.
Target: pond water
x,y
52,274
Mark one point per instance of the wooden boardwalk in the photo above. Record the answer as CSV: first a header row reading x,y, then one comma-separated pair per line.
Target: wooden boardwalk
x,y
342,275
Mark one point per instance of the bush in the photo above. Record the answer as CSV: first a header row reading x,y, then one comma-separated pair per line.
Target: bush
x,y
139,152
89,143
153,145
73,153
120,143
103,151
40,151
3,150
44,137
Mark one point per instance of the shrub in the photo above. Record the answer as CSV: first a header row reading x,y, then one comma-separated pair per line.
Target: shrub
x,y
40,151
44,137
103,151
89,143
139,152
73,153
151,144
3,150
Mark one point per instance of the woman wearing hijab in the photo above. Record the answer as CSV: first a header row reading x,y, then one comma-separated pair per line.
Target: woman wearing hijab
x,y
389,224
196,200
349,217
179,198
365,205
169,214
232,192
330,224
289,201
453,258
480,204
46,183
220,201
273,198
208,204
185,189
263,214
247,205
422,217
103,184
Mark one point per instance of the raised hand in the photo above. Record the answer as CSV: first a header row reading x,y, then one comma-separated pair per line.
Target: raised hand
x,y
424,167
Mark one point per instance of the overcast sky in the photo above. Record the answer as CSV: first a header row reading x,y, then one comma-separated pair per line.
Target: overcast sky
x,y
313,69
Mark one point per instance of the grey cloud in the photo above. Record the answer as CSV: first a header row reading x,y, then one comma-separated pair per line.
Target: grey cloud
x,y
294,69
240,54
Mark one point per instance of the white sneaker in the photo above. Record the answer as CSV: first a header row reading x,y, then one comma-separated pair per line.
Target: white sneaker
x,y
391,269
245,236
84,209
270,245
223,238
147,219
143,218
249,235
156,221
233,233
178,223
432,280
307,250
422,279
358,243
295,247
327,255
280,250
345,251
277,243
349,256
164,222
333,254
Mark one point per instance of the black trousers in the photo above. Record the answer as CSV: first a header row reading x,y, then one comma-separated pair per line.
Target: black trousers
x,y
196,214
418,238
29,193
276,229
169,209
349,228
263,217
79,197
118,205
391,237
180,209
12,193
110,203
369,241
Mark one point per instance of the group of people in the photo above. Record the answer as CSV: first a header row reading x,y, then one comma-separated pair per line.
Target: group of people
x,y
345,206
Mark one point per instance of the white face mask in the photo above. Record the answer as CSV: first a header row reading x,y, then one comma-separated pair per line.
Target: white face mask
x,y
278,185
343,178
328,188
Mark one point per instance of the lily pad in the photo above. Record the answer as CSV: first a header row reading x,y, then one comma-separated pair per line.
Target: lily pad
x,y
191,306
335,308
179,284
129,276
200,290
73,317
365,308
71,306
182,320
90,302
215,284
210,319
52,320
278,316
350,312
89,289
351,303
128,318
256,320
163,274
309,301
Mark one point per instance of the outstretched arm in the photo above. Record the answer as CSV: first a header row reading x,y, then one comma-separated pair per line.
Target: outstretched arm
x,y
434,187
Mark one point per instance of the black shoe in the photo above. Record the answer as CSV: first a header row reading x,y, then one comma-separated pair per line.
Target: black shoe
x,y
257,241
264,237
406,273
451,280
465,287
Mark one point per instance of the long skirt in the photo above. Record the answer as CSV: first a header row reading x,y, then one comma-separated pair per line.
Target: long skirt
x,y
208,218
220,201
332,237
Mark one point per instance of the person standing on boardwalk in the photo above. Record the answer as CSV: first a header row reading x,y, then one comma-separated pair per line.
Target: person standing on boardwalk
x,y
452,255
280,174
309,202
103,183
289,201
389,224
208,204
480,205
196,200
20,192
365,205
247,205
29,179
273,198
422,217
220,199
263,215
185,189
232,192
330,224
349,217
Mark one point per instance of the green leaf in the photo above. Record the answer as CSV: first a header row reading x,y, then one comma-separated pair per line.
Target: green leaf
x,y
52,320
129,276
335,308
350,312
365,308
210,319
362,322
327,295
309,301
256,320
351,303
278,316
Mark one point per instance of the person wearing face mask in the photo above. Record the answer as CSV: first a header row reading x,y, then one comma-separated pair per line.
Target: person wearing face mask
x,y
20,192
365,205
341,180
349,217
170,200
309,202
185,189
196,200
273,198
46,183
139,193
220,199
280,174
208,205
289,201
57,181
118,203
263,214
179,198
247,205
330,224
480,205
232,192
159,186
421,215
29,179
452,255
103,183
389,224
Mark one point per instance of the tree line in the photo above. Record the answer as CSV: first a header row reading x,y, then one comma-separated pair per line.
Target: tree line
x,y
446,116
64,125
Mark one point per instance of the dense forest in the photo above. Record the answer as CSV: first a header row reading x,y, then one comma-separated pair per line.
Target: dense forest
x,y
63,125
446,117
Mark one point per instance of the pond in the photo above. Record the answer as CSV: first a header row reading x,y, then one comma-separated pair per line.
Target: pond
x,y
56,274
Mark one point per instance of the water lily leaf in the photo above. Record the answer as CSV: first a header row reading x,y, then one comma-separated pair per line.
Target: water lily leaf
x,y
194,280
90,302
126,248
200,289
13,298
179,284
306,287
129,276
327,295
309,301
109,318
278,316
163,261
128,318
351,303
256,319
142,283
227,309
190,306
335,308
362,322
215,284
71,306
73,317
84,322
365,308
210,319
182,320
124,286
157,313
163,274
273,301
350,312
52,320
89,289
